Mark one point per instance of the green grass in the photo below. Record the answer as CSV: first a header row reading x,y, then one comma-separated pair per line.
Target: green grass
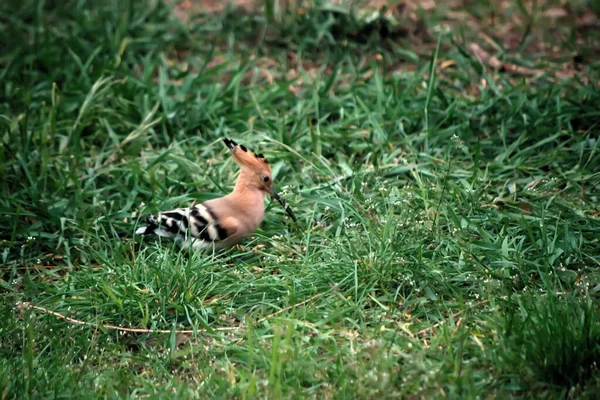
x,y
449,234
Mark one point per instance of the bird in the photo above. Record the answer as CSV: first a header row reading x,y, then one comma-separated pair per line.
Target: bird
x,y
223,222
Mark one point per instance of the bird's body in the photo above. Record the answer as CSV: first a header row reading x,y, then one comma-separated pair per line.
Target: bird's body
x,y
225,221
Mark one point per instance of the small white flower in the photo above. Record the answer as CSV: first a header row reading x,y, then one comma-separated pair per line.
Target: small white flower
x,y
457,140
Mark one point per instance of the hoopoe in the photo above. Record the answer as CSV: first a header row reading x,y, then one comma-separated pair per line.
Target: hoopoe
x,y
225,221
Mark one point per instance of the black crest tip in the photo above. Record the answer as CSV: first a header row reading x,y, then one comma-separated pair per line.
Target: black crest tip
x,y
230,143
262,158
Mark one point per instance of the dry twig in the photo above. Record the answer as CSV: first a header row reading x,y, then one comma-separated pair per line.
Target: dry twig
x,y
486,58
29,306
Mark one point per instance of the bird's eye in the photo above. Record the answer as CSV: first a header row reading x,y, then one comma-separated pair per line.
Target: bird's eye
x,y
265,179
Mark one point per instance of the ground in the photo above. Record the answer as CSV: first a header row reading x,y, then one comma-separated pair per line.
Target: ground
x,y
442,158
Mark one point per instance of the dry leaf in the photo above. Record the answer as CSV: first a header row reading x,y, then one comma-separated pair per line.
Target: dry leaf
x,y
556,12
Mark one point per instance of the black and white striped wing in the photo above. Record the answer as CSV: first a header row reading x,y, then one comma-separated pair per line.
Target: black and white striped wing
x,y
195,226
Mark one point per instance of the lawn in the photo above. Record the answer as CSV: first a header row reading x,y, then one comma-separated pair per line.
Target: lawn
x,y
443,163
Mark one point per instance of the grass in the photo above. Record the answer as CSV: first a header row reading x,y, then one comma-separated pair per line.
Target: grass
x,y
448,243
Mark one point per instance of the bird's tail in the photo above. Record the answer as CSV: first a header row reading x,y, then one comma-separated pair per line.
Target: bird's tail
x,y
149,228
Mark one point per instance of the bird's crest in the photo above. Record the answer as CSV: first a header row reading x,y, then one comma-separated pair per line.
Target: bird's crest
x,y
246,158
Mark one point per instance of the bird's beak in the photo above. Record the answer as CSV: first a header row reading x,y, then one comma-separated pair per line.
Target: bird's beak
x,y
285,206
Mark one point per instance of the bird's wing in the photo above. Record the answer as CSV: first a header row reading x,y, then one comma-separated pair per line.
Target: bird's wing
x,y
195,226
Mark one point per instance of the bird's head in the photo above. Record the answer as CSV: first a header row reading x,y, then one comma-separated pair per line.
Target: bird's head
x,y
257,171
